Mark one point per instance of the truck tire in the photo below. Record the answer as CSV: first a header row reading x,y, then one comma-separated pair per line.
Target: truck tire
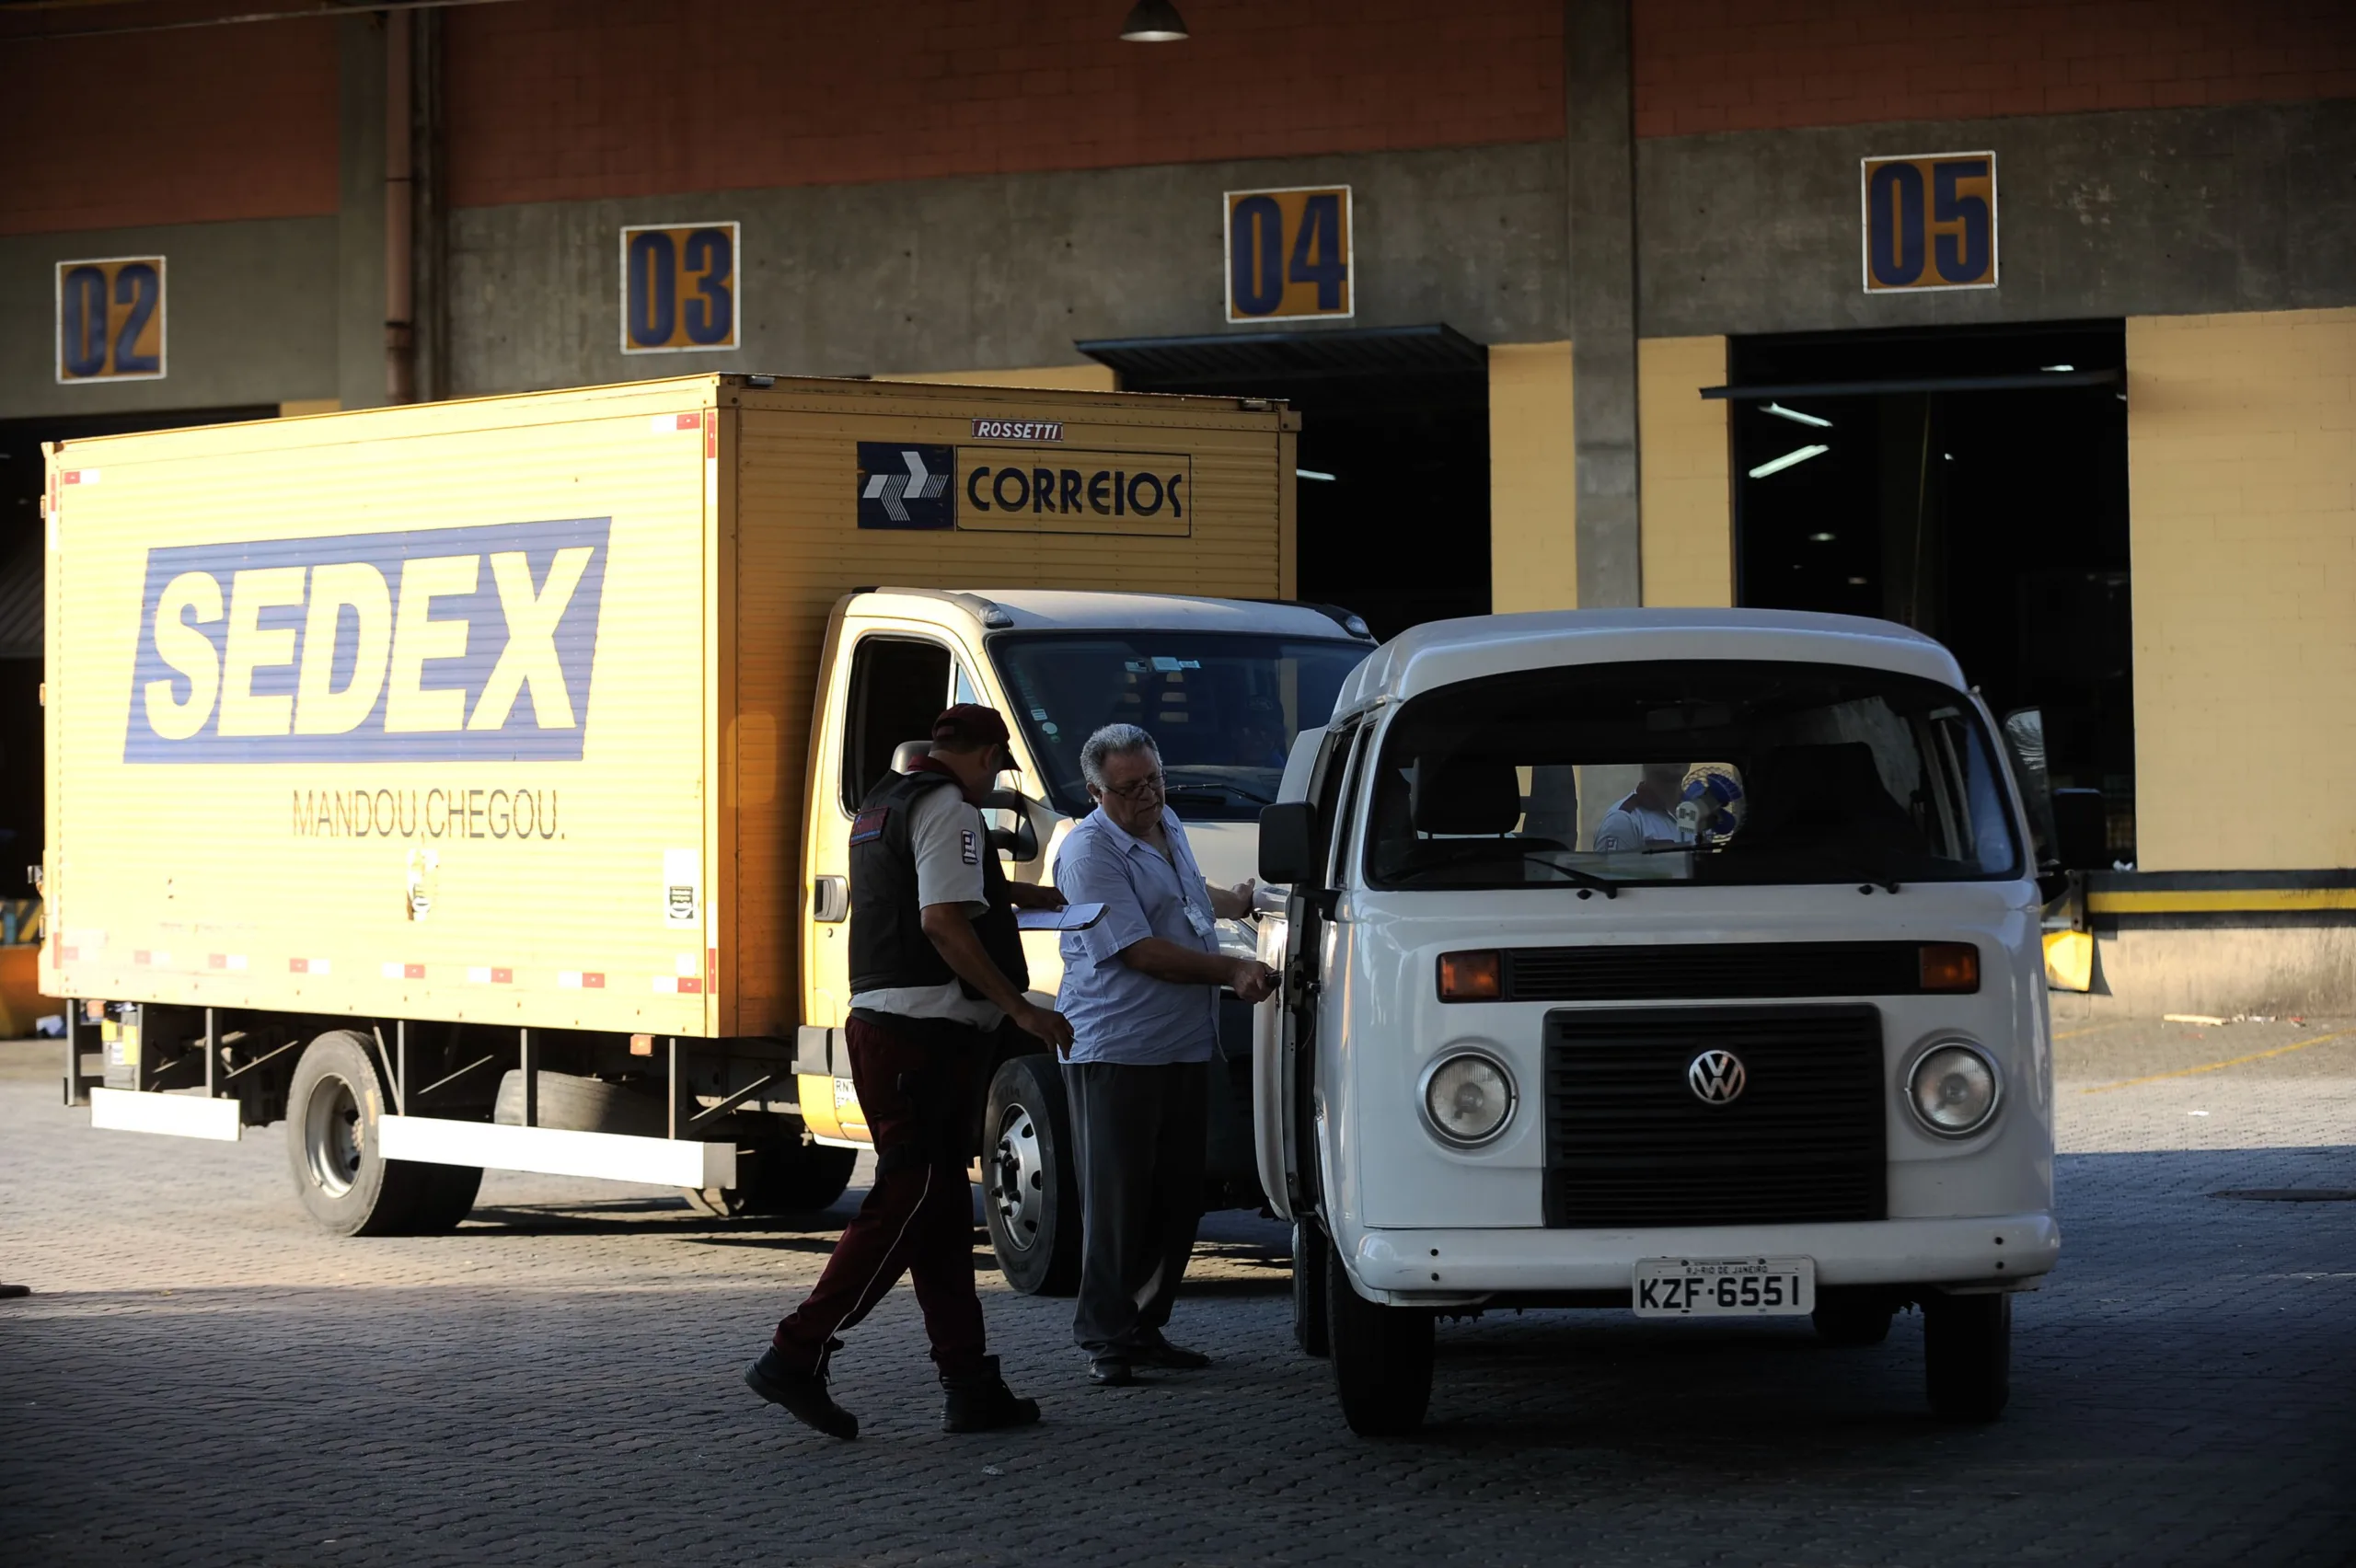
x,y
1030,1187
571,1103
1852,1317
449,1197
781,1175
1967,1354
1309,1265
333,1105
1382,1358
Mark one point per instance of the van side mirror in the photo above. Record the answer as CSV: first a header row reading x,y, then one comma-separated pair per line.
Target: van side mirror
x,y
1288,842
1020,842
2025,748
2081,830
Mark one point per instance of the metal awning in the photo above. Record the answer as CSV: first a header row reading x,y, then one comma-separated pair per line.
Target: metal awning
x,y
1228,358
2044,380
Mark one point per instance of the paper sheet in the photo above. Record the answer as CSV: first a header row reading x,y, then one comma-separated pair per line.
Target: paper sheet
x,y
1070,917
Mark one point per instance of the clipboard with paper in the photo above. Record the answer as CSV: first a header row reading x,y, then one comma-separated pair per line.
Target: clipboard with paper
x,y
1070,917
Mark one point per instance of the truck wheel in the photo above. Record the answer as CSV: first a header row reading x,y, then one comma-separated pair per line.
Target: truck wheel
x,y
1382,1358
571,1103
1308,1264
1852,1318
781,1175
449,1197
332,1107
1967,1354
1030,1188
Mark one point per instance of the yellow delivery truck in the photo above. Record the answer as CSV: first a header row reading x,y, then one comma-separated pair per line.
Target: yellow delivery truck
x,y
467,785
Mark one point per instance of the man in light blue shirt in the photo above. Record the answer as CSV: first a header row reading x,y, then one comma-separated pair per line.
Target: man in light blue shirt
x,y
1141,992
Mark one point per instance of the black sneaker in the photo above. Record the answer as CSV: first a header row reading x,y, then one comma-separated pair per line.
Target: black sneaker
x,y
979,1401
1160,1351
803,1395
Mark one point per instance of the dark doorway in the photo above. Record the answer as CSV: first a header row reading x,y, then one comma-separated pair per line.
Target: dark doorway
x,y
23,557
1971,483
1394,458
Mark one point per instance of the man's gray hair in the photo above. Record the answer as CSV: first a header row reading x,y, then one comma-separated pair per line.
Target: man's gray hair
x,y
1114,740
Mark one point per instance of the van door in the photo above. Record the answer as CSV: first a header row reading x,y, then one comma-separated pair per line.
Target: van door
x,y
1307,911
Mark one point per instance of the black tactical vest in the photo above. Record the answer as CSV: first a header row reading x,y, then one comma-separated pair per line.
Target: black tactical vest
x,y
888,948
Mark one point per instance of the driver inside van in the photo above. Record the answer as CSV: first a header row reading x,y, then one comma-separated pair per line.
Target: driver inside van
x,y
1647,818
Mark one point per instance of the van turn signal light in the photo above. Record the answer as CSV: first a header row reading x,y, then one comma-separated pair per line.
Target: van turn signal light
x,y
1470,977
1947,966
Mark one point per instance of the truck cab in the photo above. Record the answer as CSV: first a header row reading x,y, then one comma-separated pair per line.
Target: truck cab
x,y
1681,962
1223,685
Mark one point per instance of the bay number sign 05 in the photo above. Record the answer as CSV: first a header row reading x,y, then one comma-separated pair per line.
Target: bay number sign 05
x,y
1930,222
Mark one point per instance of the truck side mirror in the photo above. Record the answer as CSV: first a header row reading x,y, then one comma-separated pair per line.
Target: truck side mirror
x,y
2081,830
1288,842
1020,842
2025,747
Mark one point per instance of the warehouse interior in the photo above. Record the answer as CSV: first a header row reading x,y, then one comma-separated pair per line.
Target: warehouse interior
x,y
1972,483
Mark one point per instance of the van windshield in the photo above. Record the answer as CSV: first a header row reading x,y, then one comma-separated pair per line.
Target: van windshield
x,y
1713,772
1222,706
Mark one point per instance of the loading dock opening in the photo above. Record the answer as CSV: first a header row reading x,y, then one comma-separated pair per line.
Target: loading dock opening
x,y
1394,454
1971,483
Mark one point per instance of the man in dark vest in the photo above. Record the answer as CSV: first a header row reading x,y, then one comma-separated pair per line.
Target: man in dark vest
x,y
936,966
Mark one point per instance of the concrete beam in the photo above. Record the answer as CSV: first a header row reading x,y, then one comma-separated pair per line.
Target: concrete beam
x,y
1600,148
360,215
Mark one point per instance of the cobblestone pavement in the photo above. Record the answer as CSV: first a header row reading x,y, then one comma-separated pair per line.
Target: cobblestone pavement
x,y
203,1378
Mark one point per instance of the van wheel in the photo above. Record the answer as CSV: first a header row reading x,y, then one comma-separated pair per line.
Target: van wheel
x,y
1967,1354
1382,1358
1309,1263
780,1175
1852,1316
333,1105
1030,1188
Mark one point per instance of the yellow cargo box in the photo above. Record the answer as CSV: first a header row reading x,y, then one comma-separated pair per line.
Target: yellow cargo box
x,y
498,711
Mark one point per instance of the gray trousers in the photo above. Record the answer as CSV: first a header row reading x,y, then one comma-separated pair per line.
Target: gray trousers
x,y
1139,1134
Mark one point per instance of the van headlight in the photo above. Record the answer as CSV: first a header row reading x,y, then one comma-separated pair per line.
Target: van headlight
x,y
1954,1088
1468,1098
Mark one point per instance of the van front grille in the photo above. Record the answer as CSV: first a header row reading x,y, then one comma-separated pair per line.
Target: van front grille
x,y
1630,1143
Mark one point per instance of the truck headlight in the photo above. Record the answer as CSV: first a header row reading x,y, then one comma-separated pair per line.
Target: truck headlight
x,y
1468,1098
1954,1088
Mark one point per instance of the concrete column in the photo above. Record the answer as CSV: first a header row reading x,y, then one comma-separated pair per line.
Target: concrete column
x,y
1599,149
360,212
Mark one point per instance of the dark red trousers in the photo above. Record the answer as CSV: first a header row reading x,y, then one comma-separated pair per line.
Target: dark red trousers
x,y
918,1085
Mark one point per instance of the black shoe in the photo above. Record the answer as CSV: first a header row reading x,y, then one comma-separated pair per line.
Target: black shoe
x,y
1112,1371
1160,1351
803,1395
979,1401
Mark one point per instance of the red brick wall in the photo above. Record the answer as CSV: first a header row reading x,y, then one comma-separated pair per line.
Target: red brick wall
x,y
1759,64
564,99
177,127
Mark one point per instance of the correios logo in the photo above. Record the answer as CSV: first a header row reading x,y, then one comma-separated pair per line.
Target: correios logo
x,y
425,645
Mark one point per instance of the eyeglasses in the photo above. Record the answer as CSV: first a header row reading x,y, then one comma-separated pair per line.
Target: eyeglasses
x,y
1152,784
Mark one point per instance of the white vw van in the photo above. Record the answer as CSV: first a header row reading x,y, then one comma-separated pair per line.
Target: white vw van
x,y
1673,961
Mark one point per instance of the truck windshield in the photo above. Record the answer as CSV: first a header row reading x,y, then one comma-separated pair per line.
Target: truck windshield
x,y
1689,772
1222,706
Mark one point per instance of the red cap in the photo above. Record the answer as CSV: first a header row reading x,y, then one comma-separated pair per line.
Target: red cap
x,y
969,727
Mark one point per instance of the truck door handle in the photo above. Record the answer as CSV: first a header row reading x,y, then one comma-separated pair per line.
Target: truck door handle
x,y
830,899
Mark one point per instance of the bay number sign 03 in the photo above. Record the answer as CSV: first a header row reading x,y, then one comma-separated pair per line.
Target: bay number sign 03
x,y
1930,222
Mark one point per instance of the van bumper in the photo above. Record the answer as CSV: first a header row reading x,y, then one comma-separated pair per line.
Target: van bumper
x,y
1449,1267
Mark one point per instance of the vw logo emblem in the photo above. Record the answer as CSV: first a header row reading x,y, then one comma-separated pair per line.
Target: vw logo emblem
x,y
1716,1078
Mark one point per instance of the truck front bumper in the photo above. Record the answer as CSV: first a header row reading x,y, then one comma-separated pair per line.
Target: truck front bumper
x,y
1447,1267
